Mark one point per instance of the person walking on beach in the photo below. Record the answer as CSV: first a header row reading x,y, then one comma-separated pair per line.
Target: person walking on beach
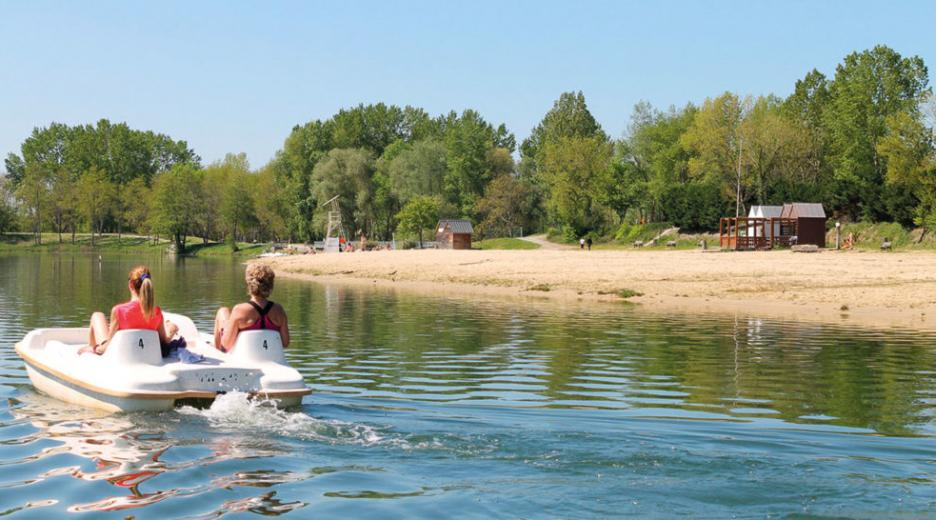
x,y
589,243
582,243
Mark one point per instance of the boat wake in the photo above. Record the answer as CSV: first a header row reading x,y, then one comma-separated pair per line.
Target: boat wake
x,y
238,411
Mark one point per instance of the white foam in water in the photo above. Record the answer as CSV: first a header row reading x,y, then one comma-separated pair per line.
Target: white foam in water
x,y
239,411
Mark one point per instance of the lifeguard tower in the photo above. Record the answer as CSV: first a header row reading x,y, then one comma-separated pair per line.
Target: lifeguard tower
x,y
335,231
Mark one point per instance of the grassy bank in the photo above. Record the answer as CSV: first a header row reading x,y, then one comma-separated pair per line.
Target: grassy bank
x,y
870,236
504,243
867,237
112,244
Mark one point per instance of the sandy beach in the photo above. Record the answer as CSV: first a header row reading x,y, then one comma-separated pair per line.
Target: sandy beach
x,y
854,288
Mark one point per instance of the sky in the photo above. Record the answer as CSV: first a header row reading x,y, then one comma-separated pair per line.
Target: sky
x,y
231,76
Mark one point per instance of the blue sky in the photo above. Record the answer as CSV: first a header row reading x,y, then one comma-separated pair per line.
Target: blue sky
x,y
237,76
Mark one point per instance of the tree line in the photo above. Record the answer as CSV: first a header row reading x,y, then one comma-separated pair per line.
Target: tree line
x,y
861,142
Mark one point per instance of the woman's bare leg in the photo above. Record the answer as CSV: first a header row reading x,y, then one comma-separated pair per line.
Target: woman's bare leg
x,y
220,319
99,329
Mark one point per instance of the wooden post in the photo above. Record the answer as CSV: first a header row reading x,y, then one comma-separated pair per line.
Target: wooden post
x,y
770,235
736,234
721,233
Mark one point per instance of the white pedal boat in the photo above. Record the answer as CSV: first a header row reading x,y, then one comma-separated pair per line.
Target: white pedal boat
x,y
132,375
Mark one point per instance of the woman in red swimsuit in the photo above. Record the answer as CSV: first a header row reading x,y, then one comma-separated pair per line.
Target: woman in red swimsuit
x,y
140,312
258,313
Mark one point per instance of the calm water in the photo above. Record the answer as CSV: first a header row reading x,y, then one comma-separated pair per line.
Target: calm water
x,y
430,407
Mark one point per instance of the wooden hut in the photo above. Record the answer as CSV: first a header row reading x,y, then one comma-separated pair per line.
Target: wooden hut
x,y
765,212
454,234
765,228
810,222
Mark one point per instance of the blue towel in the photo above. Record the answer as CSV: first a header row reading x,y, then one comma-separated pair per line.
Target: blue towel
x,y
176,350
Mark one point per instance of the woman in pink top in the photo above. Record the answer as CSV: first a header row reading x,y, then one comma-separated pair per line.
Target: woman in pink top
x,y
140,312
257,314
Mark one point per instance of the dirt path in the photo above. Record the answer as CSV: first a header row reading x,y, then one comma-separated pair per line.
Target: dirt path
x,y
544,243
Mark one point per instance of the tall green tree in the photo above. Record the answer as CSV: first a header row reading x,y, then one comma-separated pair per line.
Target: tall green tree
x,y
908,148
32,191
271,203
420,169
469,140
7,211
805,110
347,173
63,202
419,214
372,127
226,202
576,171
121,152
97,197
174,203
293,167
772,150
716,144
868,87
569,117
566,147
132,205
651,159
237,211
509,203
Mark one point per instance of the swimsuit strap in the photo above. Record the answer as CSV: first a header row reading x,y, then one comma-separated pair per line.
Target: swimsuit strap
x,y
262,311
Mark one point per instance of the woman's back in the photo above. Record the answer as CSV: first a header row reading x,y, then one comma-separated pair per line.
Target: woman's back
x,y
262,320
130,316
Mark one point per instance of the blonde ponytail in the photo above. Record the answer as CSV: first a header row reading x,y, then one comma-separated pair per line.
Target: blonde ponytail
x,y
147,298
143,285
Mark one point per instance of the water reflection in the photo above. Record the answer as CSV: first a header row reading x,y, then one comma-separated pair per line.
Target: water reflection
x,y
411,348
129,450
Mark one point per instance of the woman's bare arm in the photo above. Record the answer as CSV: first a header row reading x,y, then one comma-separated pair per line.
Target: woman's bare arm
x,y
164,336
232,327
284,329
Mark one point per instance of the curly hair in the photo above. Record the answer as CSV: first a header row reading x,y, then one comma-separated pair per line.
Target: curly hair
x,y
259,279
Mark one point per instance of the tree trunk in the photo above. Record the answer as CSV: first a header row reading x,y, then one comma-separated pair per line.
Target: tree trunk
x,y
420,239
234,237
38,218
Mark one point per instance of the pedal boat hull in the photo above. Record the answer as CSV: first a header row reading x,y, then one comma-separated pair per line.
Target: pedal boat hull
x,y
132,376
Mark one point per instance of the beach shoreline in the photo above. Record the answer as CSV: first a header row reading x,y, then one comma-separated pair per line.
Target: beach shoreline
x,y
863,289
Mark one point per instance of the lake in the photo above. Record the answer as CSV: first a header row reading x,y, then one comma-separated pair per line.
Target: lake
x,y
425,406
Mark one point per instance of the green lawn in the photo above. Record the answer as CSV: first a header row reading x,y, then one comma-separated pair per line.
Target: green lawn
x,y
224,249
504,243
126,244
50,242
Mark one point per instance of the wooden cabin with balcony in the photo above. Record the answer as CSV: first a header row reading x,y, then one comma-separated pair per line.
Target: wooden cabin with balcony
x,y
796,223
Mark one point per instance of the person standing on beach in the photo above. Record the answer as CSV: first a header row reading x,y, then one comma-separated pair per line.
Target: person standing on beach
x,y
589,243
582,243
